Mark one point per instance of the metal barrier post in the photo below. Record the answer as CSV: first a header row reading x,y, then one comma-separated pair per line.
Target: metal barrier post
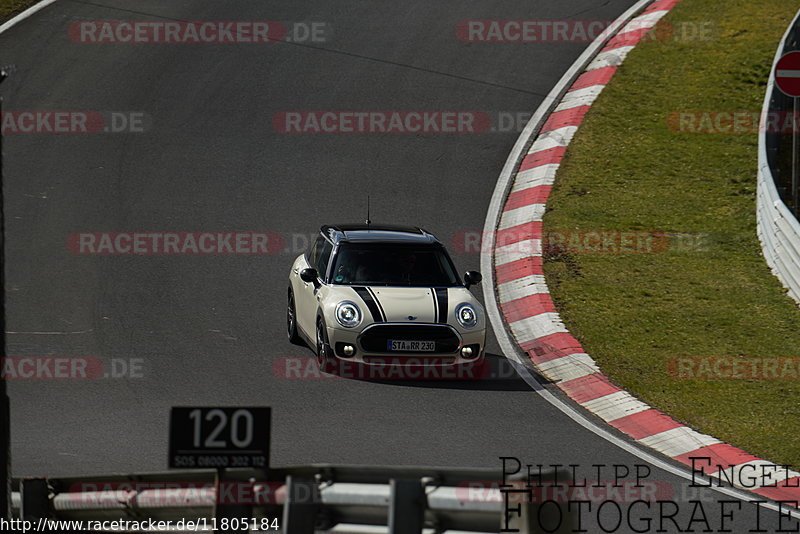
x,y
34,499
301,506
406,506
795,185
229,516
5,425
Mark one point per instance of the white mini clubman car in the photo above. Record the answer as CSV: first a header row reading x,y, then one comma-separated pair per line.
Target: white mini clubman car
x,y
369,294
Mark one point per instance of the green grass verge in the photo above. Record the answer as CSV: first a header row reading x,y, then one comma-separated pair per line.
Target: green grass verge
x,y
627,170
11,7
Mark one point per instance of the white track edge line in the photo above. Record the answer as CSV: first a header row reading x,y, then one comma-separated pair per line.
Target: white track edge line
x,y
25,14
487,268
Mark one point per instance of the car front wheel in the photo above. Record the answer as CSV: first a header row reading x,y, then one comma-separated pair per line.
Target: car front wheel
x,y
325,359
291,321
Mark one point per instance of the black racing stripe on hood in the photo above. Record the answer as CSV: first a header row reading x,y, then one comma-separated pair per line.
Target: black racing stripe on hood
x,y
441,302
378,302
374,310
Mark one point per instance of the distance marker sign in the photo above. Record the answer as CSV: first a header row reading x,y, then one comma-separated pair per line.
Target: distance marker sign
x,y
208,437
787,74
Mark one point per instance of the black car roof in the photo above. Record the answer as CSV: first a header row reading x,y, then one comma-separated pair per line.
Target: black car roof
x,y
377,233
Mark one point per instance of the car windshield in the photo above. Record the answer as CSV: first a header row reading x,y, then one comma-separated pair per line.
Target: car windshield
x,y
393,265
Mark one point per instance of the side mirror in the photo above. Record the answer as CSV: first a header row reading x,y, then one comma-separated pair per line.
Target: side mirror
x,y
309,276
471,278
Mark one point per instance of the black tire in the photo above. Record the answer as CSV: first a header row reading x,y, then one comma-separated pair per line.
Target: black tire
x,y
325,358
291,321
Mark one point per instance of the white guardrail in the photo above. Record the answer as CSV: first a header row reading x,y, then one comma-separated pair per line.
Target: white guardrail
x,y
778,229
311,499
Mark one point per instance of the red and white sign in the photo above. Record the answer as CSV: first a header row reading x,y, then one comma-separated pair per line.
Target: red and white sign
x,y
787,74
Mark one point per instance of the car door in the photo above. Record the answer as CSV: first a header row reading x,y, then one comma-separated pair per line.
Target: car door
x,y
307,307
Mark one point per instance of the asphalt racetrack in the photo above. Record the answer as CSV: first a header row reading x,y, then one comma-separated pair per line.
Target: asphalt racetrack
x,y
209,329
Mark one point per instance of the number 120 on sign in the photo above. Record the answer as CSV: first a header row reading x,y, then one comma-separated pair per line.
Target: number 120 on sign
x,y
208,437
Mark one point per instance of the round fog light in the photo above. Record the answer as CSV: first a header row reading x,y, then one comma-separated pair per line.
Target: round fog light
x,y
466,352
348,350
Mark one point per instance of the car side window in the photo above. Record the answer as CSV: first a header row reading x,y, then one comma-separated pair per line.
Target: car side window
x,y
322,259
313,252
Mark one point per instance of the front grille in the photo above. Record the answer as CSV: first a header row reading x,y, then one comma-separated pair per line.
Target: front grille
x,y
374,338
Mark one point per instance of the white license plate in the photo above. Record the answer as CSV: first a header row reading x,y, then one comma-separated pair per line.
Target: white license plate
x,y
410,346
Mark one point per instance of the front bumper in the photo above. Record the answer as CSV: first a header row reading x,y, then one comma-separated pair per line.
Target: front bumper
x,y
370,344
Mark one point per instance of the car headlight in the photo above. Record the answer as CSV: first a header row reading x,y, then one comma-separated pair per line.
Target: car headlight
x,y
466,315
348,314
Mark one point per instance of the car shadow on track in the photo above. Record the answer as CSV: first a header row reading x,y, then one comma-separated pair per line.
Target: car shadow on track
x,y
496,374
